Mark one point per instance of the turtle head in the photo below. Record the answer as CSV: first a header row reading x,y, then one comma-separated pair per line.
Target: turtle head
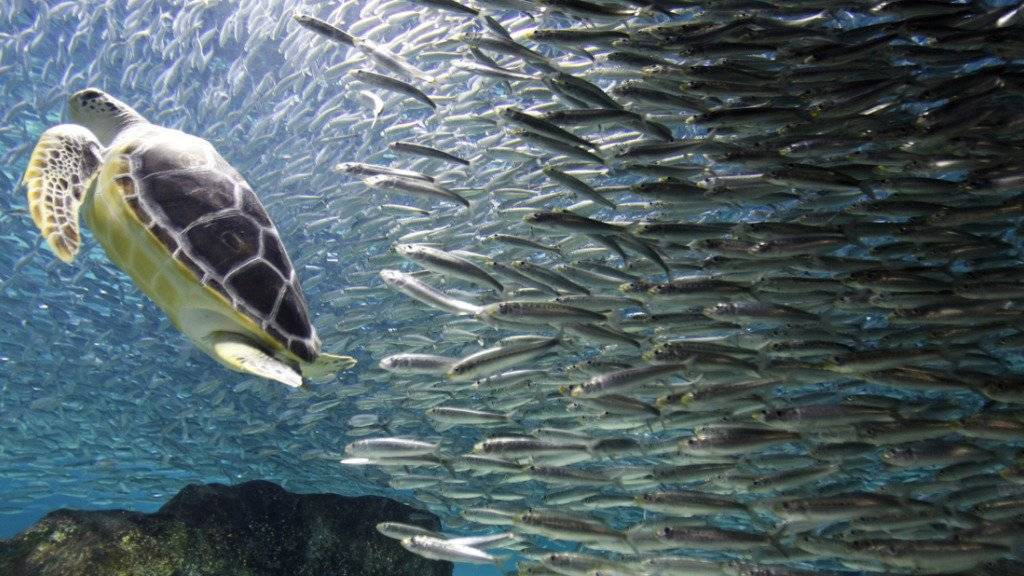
x,y
101,113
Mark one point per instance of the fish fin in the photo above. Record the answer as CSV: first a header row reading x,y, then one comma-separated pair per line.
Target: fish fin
x,y
448,466
851,237
867,189
651,10
241,355
763,525
59,173
646,249
763,360
774,540
582,52
326,365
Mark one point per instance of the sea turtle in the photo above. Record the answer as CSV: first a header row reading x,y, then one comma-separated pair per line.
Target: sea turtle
x,y
185,226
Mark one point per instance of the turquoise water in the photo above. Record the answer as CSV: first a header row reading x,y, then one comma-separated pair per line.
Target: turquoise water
x,y
103,404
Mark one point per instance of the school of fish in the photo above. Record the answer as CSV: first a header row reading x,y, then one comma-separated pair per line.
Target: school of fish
x,y
639,288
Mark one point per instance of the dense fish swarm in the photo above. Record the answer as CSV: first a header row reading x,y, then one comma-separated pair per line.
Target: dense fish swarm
x,y
655,287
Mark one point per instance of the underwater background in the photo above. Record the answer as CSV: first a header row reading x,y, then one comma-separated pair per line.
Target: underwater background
x,y
103,404
169,415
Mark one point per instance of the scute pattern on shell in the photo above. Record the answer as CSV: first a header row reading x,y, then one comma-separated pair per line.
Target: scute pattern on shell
x,y
205,213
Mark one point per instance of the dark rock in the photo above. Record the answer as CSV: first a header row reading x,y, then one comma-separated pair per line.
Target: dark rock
x,y
252,529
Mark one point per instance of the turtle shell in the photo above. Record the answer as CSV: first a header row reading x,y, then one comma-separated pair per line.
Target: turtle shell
x,y
209,219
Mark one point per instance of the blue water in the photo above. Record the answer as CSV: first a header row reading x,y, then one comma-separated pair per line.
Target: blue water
x,y
103,404
18,519
98,392
99,398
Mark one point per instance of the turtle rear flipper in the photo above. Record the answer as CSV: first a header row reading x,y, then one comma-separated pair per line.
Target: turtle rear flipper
x,y
238,353
62,166
326,365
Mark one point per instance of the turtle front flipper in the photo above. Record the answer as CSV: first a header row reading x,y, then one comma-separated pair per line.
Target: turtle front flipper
x,y
62,166
326,365
239,353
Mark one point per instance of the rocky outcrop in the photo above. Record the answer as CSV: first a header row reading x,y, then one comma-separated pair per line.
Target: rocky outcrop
x,y
251,529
